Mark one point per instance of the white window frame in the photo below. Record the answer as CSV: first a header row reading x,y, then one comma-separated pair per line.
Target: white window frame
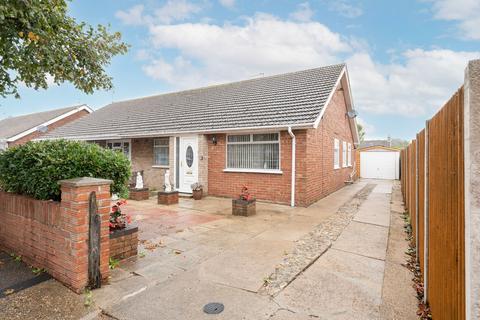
x,y
344,154
336,154
122,141
167,146
349,155
272,171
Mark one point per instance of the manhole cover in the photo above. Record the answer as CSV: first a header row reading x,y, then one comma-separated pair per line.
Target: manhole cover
x,y
213,308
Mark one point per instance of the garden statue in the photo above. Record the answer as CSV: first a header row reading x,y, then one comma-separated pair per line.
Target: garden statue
x,y
139,182
167,185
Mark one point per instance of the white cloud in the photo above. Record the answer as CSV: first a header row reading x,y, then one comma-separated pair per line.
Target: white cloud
x,y
303,13
416,87
176,10
132,16
171,11
263,44
465,12
345,9
227,3
417,82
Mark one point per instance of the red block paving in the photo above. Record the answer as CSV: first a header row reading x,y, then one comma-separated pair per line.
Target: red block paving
x,y
155,220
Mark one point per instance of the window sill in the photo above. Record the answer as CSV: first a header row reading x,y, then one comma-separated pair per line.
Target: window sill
x,y
160,167
336,168
254,171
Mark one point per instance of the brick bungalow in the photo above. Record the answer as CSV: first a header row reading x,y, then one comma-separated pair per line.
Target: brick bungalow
x,y
21,129
251,132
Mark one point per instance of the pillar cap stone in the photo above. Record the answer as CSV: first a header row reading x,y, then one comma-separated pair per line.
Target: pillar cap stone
x,y
84,181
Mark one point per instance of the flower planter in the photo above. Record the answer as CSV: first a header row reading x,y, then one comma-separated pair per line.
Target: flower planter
x,y
243,208
124,242
197,194
138,194
167,198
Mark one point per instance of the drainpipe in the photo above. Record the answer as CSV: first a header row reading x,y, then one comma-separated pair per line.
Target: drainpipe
x,y
294,147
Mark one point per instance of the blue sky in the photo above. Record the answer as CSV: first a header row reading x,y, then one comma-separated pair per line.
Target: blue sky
x,y
405,58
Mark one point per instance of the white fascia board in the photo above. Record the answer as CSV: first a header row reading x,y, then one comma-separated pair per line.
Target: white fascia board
x,y
351,107
329,99
49,122
344,79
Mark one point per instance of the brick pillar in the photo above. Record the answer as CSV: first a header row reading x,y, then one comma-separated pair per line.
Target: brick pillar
x,y
75,221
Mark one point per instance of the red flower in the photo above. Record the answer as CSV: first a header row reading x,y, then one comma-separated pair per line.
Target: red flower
x,y
245,194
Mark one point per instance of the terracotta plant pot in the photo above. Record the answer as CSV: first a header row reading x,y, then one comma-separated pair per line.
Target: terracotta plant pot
x,y
197,194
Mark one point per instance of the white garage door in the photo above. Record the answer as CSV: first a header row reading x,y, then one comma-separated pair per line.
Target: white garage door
x,y
379,164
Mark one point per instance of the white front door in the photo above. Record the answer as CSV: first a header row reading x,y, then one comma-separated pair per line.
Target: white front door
x,y
188,163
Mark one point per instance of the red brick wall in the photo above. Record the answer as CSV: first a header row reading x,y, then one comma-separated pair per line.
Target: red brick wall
x,y
315,175
55,125
263,186
54,235
124,246
322,178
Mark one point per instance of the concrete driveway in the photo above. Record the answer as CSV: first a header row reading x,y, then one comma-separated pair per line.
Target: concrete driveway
x,y
326,261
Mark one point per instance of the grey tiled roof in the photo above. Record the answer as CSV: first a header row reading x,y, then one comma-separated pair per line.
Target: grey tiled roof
x,y
10,127
295,98
375,143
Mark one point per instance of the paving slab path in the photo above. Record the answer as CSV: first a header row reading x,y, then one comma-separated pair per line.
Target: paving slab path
x,y
338,250
355,278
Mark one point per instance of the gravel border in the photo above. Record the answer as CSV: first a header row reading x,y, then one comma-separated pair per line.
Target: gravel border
x,y
311,246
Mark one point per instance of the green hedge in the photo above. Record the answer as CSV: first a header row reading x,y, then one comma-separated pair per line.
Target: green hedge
x,y
36,167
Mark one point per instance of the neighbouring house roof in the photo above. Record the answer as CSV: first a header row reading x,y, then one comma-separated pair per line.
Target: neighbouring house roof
x,y
296,99
378,148
13,128
375,143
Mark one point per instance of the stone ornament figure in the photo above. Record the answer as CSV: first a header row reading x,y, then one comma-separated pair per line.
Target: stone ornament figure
x,y
139,182
167,185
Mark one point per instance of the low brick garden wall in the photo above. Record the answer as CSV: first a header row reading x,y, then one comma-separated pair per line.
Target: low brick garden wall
x,y
54,235
124,243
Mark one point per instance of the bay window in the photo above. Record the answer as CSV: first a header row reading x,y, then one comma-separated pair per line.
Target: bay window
x,y
253,151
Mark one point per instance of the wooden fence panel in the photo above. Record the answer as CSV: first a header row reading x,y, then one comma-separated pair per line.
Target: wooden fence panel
x,y
446,244
413,189
442,241
421,199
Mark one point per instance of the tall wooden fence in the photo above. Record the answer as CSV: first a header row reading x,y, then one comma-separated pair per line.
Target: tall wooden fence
x,y
433,188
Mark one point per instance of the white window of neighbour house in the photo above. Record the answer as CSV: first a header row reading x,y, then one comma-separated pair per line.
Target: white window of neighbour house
x,y
344,154
161,151
336,154
253,152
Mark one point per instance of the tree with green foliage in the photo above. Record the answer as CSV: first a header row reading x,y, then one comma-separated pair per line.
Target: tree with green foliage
x,y
39,40
361,132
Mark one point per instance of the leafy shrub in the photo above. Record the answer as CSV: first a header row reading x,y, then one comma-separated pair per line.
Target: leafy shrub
x,y
36,167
